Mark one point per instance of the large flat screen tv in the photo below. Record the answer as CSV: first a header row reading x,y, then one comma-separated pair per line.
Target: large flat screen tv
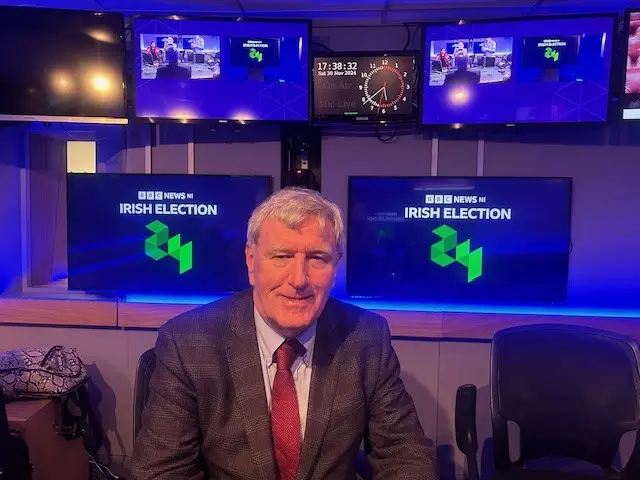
x,y
221,69
62,65
159,234
462,240
542,70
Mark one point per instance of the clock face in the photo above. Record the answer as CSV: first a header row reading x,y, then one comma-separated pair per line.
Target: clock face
x,y
365,89
385,86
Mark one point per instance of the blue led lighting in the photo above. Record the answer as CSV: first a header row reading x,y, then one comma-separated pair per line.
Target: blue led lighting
x,y
567,311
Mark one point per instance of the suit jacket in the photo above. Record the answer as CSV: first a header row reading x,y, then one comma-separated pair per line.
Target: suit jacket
x,y
207,409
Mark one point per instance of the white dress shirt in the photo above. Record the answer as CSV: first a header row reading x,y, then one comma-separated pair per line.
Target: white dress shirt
x,y
268,341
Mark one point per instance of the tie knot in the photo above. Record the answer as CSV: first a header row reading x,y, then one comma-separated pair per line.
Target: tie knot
x,y
287,353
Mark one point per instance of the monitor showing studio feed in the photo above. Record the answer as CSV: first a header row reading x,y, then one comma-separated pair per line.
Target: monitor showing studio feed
x,y
62,66
208,69
459,240
160,234
542,70
631,96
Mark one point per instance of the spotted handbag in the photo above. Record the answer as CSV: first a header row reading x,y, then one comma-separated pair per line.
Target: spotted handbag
x,y
45,372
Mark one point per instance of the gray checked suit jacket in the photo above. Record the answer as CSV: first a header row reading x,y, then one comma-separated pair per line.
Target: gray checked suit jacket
x,y
207,414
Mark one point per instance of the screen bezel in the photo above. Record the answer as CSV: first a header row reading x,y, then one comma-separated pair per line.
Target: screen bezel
x,y
116,293
134,74
124,120
351,178
374,119
611,94
623,65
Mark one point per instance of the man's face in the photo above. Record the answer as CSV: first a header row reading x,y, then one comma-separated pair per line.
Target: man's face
x,y
292,273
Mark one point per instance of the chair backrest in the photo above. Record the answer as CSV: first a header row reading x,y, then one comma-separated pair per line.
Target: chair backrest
x,y
572,391
146,365
461,61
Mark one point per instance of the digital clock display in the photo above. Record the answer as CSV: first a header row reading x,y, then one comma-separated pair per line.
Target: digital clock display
x,y
364,88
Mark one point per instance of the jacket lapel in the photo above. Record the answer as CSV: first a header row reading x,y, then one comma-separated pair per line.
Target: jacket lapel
x,y
243,356
324,379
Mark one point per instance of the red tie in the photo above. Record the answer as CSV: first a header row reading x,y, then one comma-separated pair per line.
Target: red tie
x,y
285,417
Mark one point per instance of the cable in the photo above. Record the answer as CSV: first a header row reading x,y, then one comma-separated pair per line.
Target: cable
x,y
322,45
388,139
409,38
104,470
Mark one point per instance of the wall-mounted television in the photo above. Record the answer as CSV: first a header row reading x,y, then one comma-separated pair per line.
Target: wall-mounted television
x,y
529,70
62,66
365,87
459,240
221,69
159,234
630,101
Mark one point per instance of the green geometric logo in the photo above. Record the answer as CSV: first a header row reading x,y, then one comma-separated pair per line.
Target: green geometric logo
x,y
153,246
253,53
472,260
551,53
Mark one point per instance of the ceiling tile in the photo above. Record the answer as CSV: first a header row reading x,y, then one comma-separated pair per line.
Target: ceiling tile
x,y
312,5
173,6
137,6
422,5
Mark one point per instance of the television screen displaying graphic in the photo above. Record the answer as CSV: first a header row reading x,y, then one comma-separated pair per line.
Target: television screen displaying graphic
x,y
62,66
541,70
631,98
364,88
206,69
254,53
463,240
544,52
162,234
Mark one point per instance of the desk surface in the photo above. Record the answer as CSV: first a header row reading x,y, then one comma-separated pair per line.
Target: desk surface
x,y
23,410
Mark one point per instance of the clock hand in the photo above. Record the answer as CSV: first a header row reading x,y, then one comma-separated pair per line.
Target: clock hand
x,y
370,99
383,93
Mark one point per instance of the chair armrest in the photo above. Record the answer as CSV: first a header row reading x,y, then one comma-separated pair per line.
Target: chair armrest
x,y
466,434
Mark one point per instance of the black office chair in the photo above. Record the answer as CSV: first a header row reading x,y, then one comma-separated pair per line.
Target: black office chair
x,y
572,391
465,426
147,364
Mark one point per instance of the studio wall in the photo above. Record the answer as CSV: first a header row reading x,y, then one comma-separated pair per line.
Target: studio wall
x,y
11,161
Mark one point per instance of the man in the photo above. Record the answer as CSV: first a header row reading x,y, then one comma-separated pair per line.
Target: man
x,y
281,382
173,69
197,44
489,46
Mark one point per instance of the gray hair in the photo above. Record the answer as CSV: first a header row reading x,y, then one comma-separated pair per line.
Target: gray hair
x,y
293,206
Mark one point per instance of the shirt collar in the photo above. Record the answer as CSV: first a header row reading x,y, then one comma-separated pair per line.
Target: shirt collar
x,y
272,339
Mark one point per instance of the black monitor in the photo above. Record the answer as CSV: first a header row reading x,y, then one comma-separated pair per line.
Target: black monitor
x,y
365,87
62,65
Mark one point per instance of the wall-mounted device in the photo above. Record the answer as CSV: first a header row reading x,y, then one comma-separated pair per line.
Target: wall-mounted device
x,y
364,87
456,239
197,68
630,101
62,66
522,71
